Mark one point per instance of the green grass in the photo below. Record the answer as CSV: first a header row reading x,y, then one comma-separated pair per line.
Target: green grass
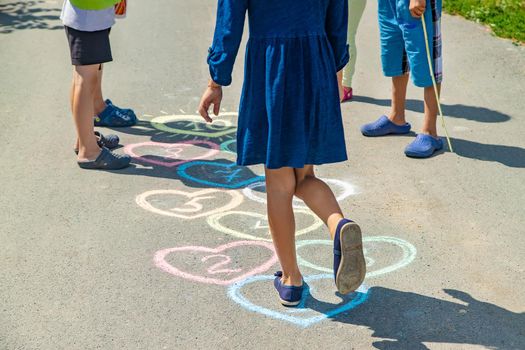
x,y
505,17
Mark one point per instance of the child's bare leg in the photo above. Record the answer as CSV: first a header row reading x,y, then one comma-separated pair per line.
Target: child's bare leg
x,y
85,80
340,84
399,93
431,111
98,101
71,102
280,188
318,197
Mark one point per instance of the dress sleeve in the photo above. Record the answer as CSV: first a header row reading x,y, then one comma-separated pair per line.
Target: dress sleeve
x,y
337,29
227,39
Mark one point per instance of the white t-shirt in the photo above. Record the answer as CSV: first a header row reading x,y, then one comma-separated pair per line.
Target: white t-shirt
x,y
87,20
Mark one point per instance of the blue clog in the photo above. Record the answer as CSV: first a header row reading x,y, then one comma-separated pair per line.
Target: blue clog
x,y
127,111
423,146
109,141
107,160
384,126
115,117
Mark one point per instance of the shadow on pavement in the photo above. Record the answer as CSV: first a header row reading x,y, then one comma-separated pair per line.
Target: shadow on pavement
x,y
216,173
144,128
196,172
479,114
18,15
407,320
510,156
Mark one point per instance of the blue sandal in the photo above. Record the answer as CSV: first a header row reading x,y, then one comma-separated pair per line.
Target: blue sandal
x,y
108,141
384,126
289,295
107,160
349,259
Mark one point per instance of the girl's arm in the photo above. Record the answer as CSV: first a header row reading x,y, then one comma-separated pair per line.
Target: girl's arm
x,y
227,39
336,29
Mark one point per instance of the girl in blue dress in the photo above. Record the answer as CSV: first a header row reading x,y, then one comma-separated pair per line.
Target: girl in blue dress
x,y
290,119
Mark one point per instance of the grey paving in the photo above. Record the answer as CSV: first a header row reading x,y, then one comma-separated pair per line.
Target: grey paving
x,y
77,253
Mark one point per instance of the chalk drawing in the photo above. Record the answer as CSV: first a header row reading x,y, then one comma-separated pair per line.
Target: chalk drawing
x,y
218,205
193,206
228,146
235,293
215,174
260,231
259,224
175,152
214,269
195,126
408,250
341,189
160,261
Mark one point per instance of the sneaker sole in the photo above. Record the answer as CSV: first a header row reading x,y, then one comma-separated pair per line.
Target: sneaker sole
x,y
352,269
390,133
90,166
289,303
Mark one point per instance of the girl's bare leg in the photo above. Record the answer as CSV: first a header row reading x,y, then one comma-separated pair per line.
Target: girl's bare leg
x,y
318,197
321,200
340,84
280,188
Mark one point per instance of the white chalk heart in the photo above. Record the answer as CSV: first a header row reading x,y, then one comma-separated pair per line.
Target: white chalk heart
x,y
408,251
194,203
341,189
258,224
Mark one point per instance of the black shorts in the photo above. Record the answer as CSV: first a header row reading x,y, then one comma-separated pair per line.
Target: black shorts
x,y
89,47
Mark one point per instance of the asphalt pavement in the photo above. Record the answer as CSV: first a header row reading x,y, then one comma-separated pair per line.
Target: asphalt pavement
x,y
174,252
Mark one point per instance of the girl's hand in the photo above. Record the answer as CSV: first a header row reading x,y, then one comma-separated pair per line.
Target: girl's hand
x,y
212,95
417,8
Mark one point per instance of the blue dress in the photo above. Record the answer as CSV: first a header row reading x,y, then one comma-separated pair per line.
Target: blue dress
x,y
290,114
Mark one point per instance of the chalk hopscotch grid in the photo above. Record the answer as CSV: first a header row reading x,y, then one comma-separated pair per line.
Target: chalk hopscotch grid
x,y
193,209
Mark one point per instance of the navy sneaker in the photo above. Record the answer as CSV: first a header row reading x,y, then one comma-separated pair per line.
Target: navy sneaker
x,y
349,259
107,160
289,295
114,117
384,126
423,146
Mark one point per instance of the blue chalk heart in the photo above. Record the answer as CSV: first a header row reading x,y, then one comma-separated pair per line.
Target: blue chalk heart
x,y
235,293
223,175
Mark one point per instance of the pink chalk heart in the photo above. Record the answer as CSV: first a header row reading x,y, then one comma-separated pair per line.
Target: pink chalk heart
x,y
173,154
220,260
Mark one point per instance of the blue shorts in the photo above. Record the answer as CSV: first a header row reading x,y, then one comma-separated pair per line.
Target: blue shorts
x,y
403,41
